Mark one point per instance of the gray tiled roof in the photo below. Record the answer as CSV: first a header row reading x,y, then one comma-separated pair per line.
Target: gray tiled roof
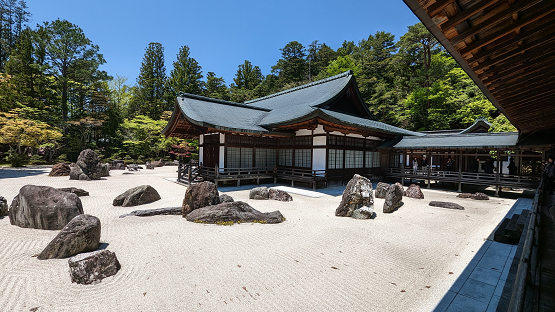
x,y
261,115
471,140
480,121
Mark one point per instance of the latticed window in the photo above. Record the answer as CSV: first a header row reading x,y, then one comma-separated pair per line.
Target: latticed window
x,y
239,157
303,158
265,158
354,159
394,161
373,159
286,157
303,141
335,159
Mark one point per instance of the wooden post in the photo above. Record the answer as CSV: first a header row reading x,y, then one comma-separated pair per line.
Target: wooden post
x,y
498,173
189,175
429,161
460,170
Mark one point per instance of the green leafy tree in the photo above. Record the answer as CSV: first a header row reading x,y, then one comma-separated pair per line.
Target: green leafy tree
x,y
215,87
502,124
151,96
292,67
13,19
318,58
143,137
186,75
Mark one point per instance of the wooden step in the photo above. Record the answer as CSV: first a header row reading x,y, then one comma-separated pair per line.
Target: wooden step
x,y
499,234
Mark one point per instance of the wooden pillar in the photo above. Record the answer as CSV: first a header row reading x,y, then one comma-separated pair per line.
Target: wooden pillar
x,y
429,169
403,169
498,173
460,170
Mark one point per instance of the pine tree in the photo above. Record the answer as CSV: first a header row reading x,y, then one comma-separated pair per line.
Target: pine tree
x,y
151,96
186,75
13,18
215,87
248,77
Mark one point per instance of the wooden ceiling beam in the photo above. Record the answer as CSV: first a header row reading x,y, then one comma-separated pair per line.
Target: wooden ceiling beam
x,y
538,55
493,21
461,17
509,72
549,27
520,81
546,10
437,7
525,93
531,98
537,46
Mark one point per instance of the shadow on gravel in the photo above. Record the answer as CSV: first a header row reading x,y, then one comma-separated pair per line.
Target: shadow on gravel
x,y
13,173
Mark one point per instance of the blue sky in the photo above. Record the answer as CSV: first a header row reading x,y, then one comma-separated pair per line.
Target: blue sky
x,y
220,34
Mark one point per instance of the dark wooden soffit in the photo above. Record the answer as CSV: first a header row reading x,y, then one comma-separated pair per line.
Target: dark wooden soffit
x,y
507,47
311,124
179,127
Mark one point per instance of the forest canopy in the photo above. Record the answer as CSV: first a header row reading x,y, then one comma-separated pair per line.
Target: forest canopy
x,y
51,86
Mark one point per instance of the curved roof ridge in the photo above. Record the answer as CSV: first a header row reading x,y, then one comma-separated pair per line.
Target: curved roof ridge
x,y
218,101
308,85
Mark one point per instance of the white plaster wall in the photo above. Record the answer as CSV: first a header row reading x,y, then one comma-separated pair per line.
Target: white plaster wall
x,y
355,136
200,154
222,138
336,133
222,158
201,139
303,132
319,159
373,138
319,130
319,141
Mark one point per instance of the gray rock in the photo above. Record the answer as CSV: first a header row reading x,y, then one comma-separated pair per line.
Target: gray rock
x,y
77,191
60,170
93,267
381,189
44,207
105,171
200,195
259,193
149,166
464,195
400,186
447,205
414,191
133,167
81,234
118,164
364,213
393,198
279,195
224,198
157,163
139,195
236,212
480,196
154,212
87,167
3,207
357,193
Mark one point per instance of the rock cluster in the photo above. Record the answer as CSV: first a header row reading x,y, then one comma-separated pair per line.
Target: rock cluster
x,y
233,212
393,198
413,191
480,196
200,195
81,234
44,207
92,267
87,167
60,170
357,194
139,195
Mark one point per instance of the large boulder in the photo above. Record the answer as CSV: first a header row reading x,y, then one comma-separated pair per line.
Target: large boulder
x,y
60,170
413,191
364,213
480,196
357,193
224,198
81,234
44,207
88,167
200,195
139,195
92,267
393,198
261,192
447,205
77,191
3,207
233,212
279,195
381,189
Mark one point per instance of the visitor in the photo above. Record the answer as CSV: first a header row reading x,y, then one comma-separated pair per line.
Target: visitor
x,y
476,165
414,165
450,164
424,163
488,166
549,175
512,166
